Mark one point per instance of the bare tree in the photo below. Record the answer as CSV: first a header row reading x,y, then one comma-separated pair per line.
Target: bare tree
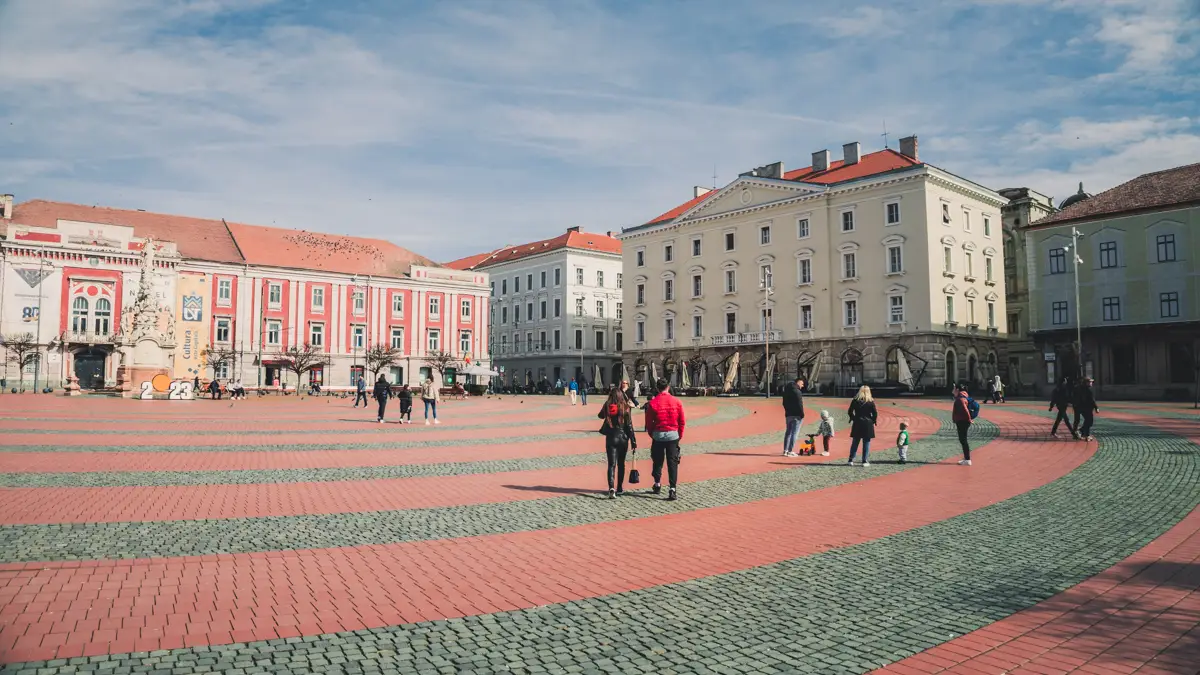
x,y
218,356
441,362
22,350
381,356
300,360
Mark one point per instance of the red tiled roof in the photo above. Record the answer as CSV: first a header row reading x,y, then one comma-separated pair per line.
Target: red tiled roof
x,y
298,249
1160,189
868,165
585,241
196,238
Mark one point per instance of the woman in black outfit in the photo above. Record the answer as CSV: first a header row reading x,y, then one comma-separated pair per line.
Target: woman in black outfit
x,y
381,392
618,436
863,417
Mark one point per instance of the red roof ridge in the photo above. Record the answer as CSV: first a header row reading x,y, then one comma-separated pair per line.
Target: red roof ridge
x,y
573,238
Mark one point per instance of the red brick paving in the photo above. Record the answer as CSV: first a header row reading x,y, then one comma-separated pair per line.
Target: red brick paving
x,y
67,609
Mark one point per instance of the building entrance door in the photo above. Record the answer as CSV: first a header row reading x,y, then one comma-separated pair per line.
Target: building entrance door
x,y
89,368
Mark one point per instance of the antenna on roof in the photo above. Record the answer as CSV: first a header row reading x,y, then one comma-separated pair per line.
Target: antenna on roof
x,y
885,135
714,176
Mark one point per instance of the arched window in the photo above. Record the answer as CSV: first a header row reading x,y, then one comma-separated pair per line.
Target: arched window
x,y
79,315
103,316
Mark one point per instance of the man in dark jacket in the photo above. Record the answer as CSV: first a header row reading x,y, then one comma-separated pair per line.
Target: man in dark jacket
x,y
380,393
665,423
793,413
1085,407
961,415
1060,399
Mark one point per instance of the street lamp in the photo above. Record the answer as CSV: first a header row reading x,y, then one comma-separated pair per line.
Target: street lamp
x,y
1073,248
768,291
37,364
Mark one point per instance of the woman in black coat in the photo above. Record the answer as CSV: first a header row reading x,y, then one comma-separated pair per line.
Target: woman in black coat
x,y
618,435
381,392
863,417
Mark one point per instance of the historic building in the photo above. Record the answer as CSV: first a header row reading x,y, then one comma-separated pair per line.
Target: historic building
x,y
1138,287
875,268
73,277
555,308
1024,207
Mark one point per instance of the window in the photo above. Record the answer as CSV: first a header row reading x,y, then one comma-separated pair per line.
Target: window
x,y
579,276
224,291
397,338
529,281
847,221
970,265
1108,254
557,339
1123,358
317,299
517,314
966,220
620,280
804,274
529,310
730,281
802,228
892,213
668,290
578,306
697,285
504,315
466,309
316,334
578,338
896,309
223,331
79,314
945,214
895,260
274,295
668,253
557,307
1165,243
849,266
360,302
600,279
1112,309
765,276
464,342
619,311
641,258
542,278
991,309
1168,304
947,260
764,235
358,337
806,317
542,310
542,341
971,312
1014,324
987,226
950,309
640,331
765,319
669,329
697,326
435,306
620,342
730,323
599,340
103,316
558,275
696,247
641,294
729,241
435,340
1181,361
1058,313
503,286
599,309
850,312
516,284
1058,261
273,331
221,370
988,274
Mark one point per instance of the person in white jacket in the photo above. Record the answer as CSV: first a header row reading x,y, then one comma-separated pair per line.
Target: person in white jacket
x,y
429,394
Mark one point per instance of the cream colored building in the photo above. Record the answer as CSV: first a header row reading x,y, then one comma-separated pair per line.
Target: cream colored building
x,y
1025,206
881,269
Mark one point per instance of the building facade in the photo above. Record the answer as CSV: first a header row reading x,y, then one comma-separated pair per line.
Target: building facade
x,y
1024,368
555,309
876,269
71,272
1138,271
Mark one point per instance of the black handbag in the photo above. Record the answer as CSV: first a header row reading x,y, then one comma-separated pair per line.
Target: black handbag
x,y
634,476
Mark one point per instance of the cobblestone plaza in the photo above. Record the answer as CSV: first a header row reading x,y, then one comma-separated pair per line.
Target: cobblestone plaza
x,y
297,535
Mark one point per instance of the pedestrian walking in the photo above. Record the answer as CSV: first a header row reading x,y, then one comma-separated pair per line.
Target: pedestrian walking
x,y
793,415
574,387
665,422
863,417
430,394
381,393
964,411
583,391
1060,398
617,429
994,390
629,395
405,397
360,387
1085,409
196,385
825,431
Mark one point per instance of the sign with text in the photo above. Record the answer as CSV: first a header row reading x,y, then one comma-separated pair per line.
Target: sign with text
x,y
191,328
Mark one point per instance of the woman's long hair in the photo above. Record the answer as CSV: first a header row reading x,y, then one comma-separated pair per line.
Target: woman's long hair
x,y
864,394
617,397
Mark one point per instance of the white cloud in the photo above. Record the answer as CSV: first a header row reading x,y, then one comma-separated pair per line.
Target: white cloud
x,y
862,22
1078,133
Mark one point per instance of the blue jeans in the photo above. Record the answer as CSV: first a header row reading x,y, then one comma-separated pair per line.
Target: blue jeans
x,y
792,433
430,403
866,443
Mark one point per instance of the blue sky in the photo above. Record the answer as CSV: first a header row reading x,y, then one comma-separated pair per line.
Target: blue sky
x,y
456,127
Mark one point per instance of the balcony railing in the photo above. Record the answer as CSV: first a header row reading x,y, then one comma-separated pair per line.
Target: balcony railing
x,y
747,338
88,337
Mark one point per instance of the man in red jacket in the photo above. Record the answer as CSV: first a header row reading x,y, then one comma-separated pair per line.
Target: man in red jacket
x,y
665,423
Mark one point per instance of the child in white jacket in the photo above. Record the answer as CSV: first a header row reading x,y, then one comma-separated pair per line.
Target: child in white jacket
x,y
825,431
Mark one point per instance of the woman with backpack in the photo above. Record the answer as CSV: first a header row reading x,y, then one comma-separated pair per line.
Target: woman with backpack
x,y
863,417
964,411
617,429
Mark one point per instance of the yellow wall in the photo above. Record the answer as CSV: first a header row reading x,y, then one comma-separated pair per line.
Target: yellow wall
x,y
191,324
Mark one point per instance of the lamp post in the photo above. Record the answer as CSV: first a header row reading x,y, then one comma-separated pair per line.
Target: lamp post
x,y
37,364
1073,248
768,291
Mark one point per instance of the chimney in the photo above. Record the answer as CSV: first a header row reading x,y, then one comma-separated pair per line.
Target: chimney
x,y
820,161
908,147
573,229
700,191
851,152
6,206
610,234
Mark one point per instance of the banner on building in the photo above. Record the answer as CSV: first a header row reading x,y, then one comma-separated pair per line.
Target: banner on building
x,y
191,327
